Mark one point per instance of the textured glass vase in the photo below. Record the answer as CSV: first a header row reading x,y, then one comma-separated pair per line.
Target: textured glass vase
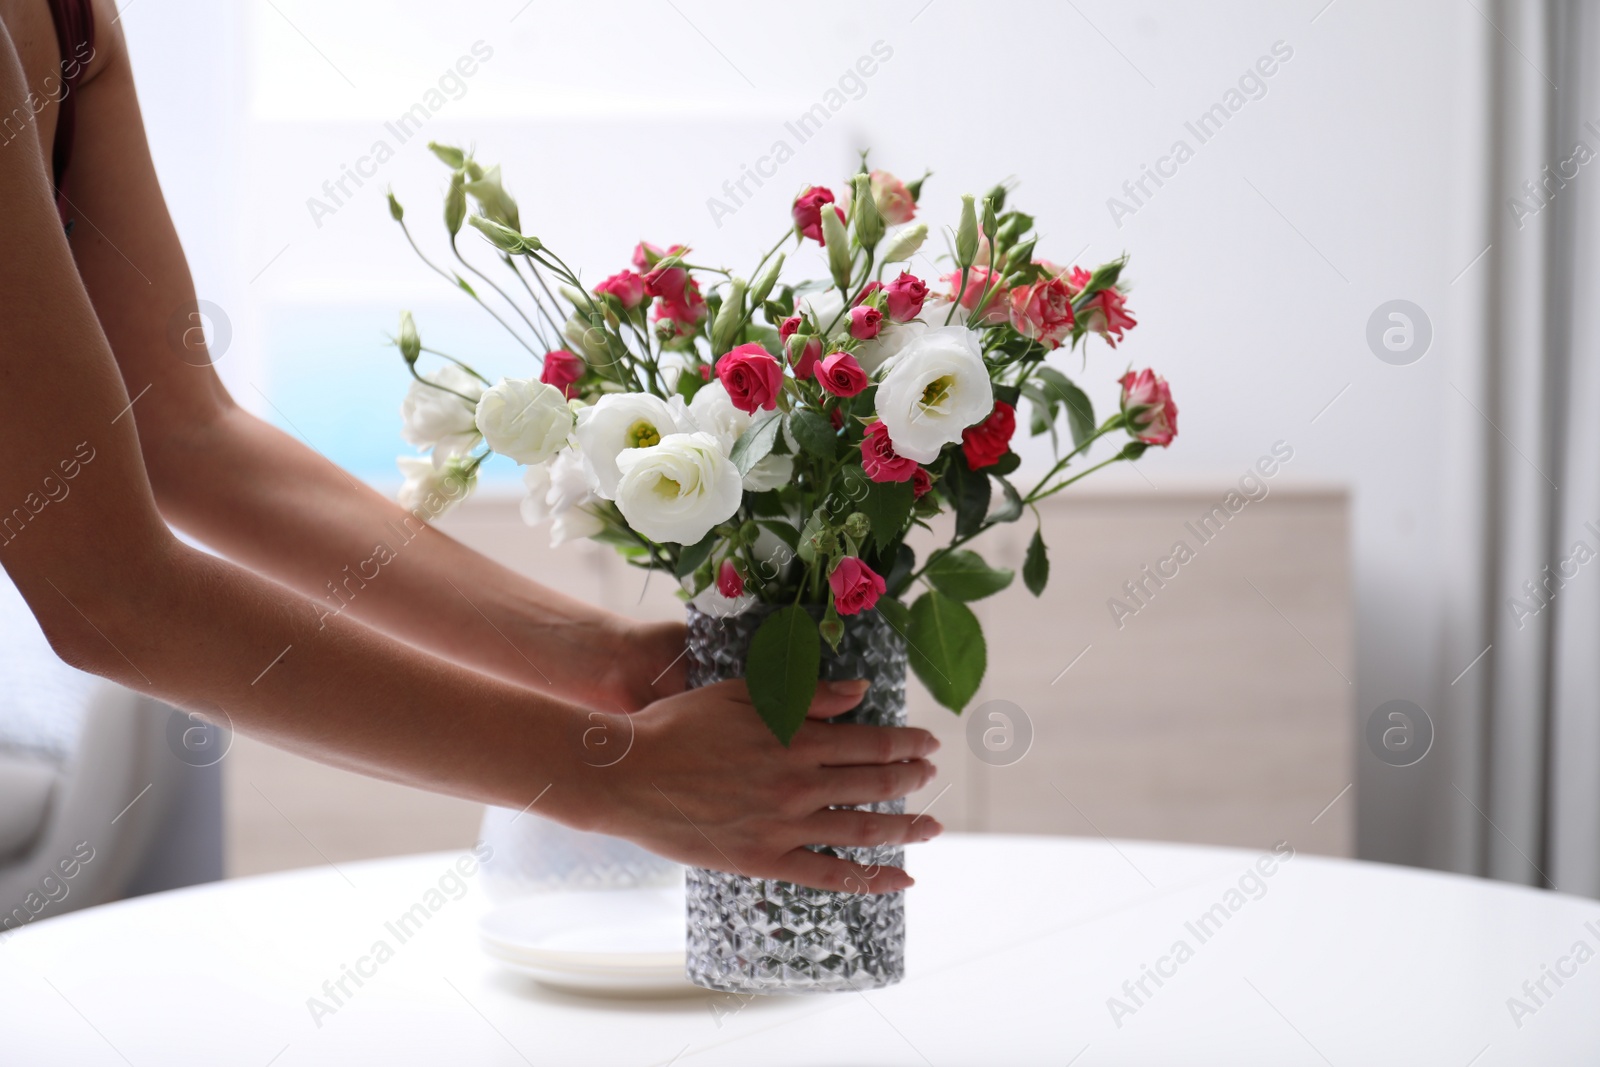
x,y
754,935
533,854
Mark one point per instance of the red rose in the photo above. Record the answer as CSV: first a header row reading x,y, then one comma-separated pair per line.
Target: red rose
x,y
921,483
1043,311
626,286
994,308
730,583
1147,408
705,372
865,322
990,439
789,325
752,376
647,255
841,375
805,361
807,212
668,283
905,296
562,369
856,587
686,311
879,459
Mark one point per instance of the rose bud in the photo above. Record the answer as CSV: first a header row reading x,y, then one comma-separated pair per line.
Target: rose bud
x,y
1147,408
979,278
626,286
1105,313
986,442
647,255
788,326
668,283
842,376
563,370
865,322
856,586
866,293
895,202
804,352
905,296
730,583
879,459
921,483
752,376
807,212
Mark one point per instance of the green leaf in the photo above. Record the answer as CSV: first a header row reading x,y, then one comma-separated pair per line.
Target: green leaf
x,y
1011,510
887,506
814,433
964,576
693,555
972,499
782,669
899,575
1007,394
1006,464
754,444
897,614
1080,412
947,648
785,531
1036,565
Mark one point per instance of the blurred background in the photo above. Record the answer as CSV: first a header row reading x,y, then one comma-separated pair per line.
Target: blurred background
x,y
1355,239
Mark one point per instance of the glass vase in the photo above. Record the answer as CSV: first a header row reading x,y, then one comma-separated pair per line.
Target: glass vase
x,y
756,935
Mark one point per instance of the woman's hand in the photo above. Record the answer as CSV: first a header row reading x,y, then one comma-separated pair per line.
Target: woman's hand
x,y
699,778
646,663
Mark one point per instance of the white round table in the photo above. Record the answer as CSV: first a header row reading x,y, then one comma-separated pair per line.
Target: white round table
x,y
1022,950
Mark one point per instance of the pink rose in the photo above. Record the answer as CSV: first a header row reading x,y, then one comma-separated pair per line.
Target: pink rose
x,y
921,483
647,255
752,376
892,198
841,375
789,325
1147,408
730,583
1043,311
686,311
879,459
1106,312
562,369
990,439
994,308
626,286
805,362
667,283
905,296
865,322
807,212
856,587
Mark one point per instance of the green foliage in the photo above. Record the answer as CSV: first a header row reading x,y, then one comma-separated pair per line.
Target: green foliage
x,y
887,506
947,648
782,669
964,576
1036,565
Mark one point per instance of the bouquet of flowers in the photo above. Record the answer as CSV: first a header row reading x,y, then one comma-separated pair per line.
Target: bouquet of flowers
x,y
773,441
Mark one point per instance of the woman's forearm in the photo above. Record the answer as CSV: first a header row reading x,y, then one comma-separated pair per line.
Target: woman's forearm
x,y
203,634
270,503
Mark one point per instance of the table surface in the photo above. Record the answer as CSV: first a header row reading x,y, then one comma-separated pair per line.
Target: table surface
x,y
1022,950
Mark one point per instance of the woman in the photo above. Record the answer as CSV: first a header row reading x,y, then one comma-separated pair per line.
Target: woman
x,y
450,673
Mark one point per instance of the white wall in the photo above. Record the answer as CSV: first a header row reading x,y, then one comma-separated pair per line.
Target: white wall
x,y
1352,181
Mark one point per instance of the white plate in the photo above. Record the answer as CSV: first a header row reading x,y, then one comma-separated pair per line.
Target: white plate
x,y
619,941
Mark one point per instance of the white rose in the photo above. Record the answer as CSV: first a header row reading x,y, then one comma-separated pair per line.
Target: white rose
x,y
526,420
678,490
558,492
712,411
437,418
620,421
938,387
432,488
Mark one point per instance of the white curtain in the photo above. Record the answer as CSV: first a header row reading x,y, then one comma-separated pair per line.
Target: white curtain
x,y
1518,795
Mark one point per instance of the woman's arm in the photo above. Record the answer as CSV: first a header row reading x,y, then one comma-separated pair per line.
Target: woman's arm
x,y
269,502
117,594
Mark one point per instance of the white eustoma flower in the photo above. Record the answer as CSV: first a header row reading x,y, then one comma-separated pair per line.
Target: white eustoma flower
x,y
432,488
676,491
712,411
937,387
526,420
825,306
621,421
438,418
558,493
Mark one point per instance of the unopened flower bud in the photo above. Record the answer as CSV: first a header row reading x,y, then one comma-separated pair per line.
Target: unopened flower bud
x,y
868,221
409,342
858,525
450,156
967,233
904,244
838,242
455,203
396,212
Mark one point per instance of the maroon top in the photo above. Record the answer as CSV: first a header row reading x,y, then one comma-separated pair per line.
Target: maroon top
x,y
74,21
